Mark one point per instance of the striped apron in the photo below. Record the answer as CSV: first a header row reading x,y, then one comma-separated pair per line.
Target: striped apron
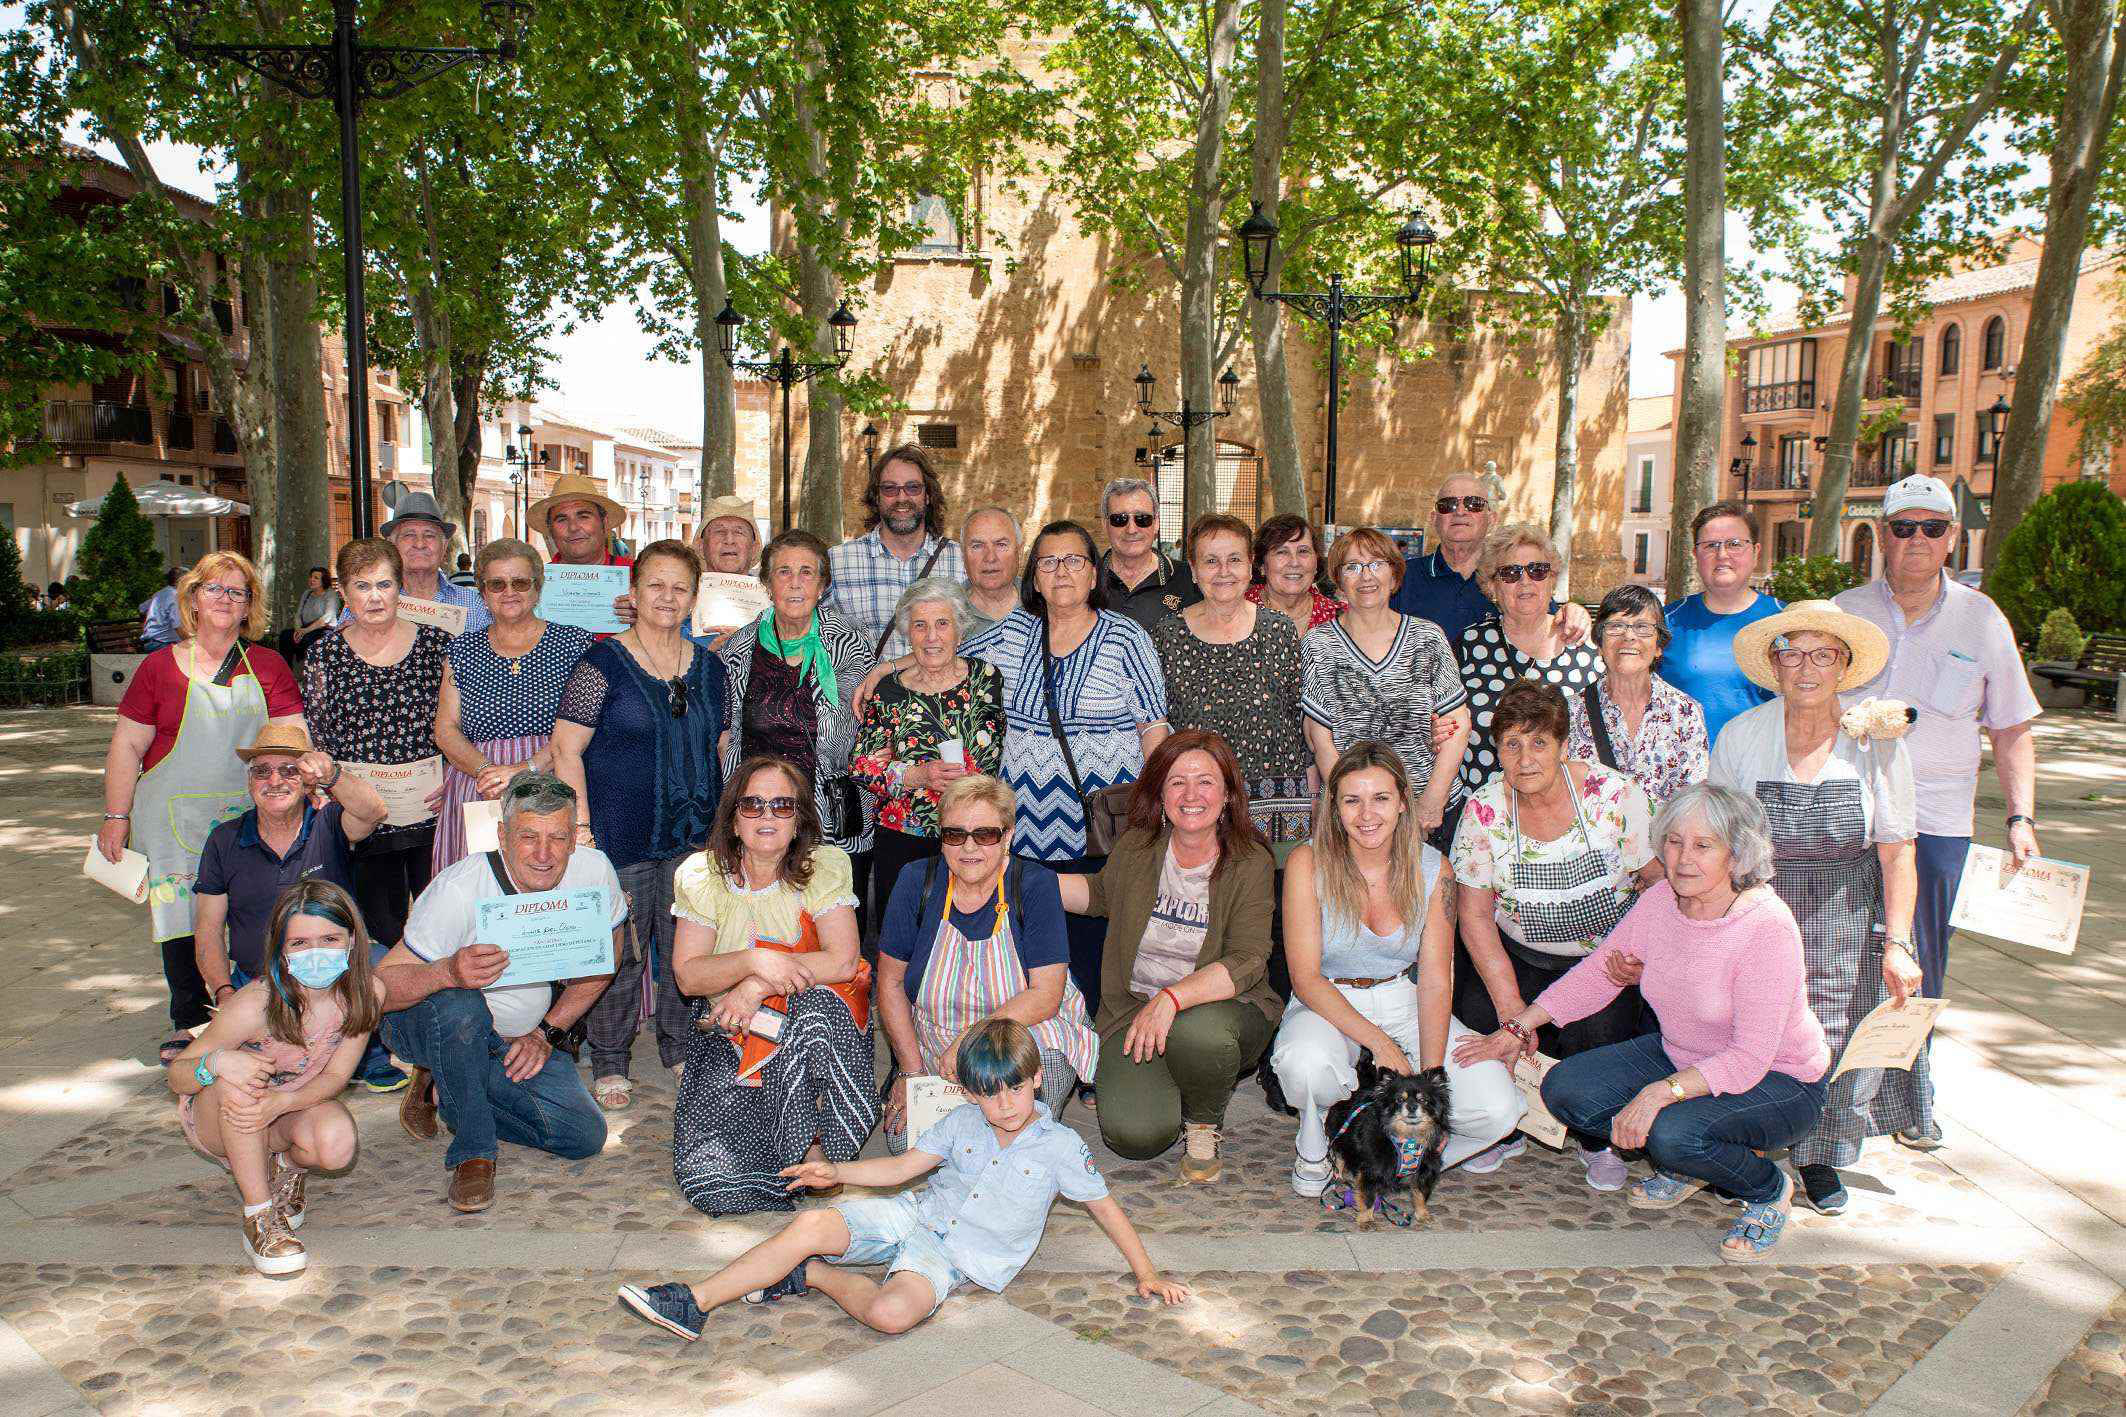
x,y
968,980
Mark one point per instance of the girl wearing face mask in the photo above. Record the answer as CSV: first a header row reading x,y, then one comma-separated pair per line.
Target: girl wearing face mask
x,y
258,1090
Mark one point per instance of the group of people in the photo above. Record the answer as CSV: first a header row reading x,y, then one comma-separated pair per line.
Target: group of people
x,y
1115,828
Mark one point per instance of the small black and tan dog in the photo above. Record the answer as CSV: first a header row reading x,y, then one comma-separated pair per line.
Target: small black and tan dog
x,y
1388,1135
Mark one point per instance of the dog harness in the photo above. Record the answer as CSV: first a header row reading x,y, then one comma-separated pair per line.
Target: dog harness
x,y
1409,1151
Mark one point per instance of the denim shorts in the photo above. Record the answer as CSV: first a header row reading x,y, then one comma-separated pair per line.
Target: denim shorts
x,y
889,1230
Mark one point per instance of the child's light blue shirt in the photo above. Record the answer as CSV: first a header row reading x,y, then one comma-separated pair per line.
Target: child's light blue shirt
x,y
989,1204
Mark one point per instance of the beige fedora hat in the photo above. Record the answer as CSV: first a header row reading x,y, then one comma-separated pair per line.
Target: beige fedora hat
x,y
1870,648
717,508
575,487
291,739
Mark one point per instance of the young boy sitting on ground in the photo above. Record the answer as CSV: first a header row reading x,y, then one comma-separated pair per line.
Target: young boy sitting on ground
x,y
1000,1163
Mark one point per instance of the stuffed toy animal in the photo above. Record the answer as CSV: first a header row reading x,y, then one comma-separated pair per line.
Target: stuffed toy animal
x,y
1884,720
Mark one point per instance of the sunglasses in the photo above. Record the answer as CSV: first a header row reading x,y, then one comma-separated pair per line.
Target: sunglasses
x,y
1935,527
1123,519
265,772
1446,506
1536,571
783,807
499,584
980,836
676,697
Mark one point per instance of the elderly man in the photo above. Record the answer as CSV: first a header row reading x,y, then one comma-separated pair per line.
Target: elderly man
x,y
1953,657
159,626
989,539
1700,658
1142,579
1441,585
578,518
729,539
418,529
490,1058
904,540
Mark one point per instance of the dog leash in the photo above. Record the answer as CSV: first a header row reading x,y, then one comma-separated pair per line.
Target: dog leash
x,y
1337,1198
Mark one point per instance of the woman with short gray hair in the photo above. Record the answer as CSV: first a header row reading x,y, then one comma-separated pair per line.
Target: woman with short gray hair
x,y
1630,718
1739,1064
930,723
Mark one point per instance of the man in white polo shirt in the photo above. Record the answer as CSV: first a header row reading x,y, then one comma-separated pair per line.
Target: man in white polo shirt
x,y
1952,657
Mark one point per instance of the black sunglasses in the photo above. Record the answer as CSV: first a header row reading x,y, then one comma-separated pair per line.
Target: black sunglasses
x,y
1534,570
1935,527
980,836
758,806
1446,505
1122,519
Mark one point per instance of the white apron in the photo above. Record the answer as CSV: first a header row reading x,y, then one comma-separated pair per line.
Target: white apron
x,y
197,785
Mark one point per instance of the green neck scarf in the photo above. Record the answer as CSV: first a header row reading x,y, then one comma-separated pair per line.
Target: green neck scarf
x,y
813,662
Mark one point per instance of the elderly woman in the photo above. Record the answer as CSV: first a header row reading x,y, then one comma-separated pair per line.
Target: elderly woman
x,y
371,688
1375,674
1287,554
1737,1063
1232,668
501,688
1629,719
1185,1009
1084,701
930,724
981,939
1364,902
1842,823
792,683
767,931
635,735
1548,857
1517,568
172,771
318,611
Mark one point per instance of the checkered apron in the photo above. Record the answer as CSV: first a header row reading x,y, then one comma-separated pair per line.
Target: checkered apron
x,y
1563,909
1827,872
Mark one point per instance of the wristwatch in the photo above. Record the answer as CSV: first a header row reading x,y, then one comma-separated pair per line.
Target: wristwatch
x,y
2015,817
1894,943
1675,1088
556,1038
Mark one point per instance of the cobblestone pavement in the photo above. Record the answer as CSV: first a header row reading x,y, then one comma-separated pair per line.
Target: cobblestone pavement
x,y
1982,1279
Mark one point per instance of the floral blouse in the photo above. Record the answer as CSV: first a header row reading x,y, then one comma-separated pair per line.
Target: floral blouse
x,y
1323,609
370,713
1670,752
903,727
1534,880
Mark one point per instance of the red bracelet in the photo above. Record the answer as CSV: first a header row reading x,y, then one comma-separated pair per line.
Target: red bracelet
x,y
1175,997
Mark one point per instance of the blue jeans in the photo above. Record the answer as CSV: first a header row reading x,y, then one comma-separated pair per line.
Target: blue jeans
x,y
1940,862
451,1034
1712,1139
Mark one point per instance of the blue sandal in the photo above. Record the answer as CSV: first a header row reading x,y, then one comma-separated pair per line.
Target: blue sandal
x,y
1662,1191
1758,1228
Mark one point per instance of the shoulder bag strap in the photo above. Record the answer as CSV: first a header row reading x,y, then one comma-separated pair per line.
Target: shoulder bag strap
x,y
494,864
1055,722
1014,878
1604,749
886,634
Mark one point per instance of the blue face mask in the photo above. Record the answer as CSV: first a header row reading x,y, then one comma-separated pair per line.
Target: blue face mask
x,y
316,968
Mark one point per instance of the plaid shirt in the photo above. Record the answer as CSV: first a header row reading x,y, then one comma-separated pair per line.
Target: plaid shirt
x,y
869,579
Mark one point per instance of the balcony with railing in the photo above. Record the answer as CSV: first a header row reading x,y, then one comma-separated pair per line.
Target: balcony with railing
x,y
1894,384
1779,398
1770,476
1876,471
179,430
73,425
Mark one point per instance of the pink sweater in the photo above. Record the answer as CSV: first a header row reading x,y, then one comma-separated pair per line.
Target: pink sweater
x,y
1731,994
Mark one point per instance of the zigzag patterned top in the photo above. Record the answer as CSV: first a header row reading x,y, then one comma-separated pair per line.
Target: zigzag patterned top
x,y
1107,688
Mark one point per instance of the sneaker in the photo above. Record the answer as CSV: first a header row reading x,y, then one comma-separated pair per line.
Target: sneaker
x,y
1825,1191
1486,1162
1310,1178
669,1306
788,1287
389,1078
288,1191
1199,1157
1663,1190
1921,1141
271,1245
1606,1170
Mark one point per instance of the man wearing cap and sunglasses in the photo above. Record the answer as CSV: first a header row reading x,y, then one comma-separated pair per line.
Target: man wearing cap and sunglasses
x,y
1440,585
1142,579
1952,657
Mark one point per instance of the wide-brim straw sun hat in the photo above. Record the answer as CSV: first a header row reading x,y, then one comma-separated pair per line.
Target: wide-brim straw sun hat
x,y
288,738
575,487
1870,648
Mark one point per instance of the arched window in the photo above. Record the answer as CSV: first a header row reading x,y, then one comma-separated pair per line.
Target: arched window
x,y
1995,350
1952,348
1864,551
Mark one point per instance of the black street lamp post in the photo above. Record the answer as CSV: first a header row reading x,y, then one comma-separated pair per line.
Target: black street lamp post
x,y
522,463
1184,418
350,72
1336,306
870,437
1992,422
1740,467
785,371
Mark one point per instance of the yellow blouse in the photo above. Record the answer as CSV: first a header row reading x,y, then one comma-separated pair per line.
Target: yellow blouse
x,y
702,893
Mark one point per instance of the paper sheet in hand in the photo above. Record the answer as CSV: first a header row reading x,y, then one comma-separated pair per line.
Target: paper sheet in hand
x,y
930,1100
128,875
550,935
405,787
450,619
726,602
583,596
1890,1037
483,826
1528,1071
2039,905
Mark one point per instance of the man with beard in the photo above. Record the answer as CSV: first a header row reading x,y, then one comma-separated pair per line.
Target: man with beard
x,y
903,541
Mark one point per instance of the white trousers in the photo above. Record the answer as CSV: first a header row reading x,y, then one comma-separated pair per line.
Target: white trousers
x,y
1318,1068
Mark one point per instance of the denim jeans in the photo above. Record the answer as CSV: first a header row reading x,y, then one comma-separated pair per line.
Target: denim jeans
x,y
451,1034
1712,1139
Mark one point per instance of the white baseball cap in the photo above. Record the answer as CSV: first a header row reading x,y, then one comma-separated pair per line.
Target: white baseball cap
x,y
1918,493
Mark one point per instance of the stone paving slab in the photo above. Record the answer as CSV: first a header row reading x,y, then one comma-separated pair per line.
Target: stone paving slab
x,y
2092,1380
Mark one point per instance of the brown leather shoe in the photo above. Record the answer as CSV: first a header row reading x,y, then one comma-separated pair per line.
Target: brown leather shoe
x,y
472,1185
417,1109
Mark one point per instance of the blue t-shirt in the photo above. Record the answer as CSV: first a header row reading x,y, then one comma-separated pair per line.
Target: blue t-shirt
x,y
1433,590
1700,658
910,928
237,863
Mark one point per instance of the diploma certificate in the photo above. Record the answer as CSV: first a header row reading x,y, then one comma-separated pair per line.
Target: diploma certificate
x,y
450,619
1890,1037
930,1100
1528,1071
405,787
2039,904
483,826
726,602
128,876
583,596
550,935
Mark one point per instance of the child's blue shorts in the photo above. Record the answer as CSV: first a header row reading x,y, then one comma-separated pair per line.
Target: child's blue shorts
x,y
889,1230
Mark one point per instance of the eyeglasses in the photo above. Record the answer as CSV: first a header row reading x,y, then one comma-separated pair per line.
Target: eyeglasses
x,y
980,836
1935,527
1119,520
1445,506
1733,543
1536,571
1629,630
676,697
1352,570
499,584
1052,565
266,772
900,489
218,591
784,807
1823,657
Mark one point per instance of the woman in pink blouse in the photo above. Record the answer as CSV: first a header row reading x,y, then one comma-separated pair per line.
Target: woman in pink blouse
x,y
1738,1066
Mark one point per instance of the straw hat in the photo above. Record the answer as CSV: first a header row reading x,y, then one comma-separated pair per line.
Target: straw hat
x,y
1869,646
575,487
717,508
291,739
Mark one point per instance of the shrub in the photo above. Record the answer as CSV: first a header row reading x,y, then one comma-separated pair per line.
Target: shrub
x,y
2059,638
15,592
119,564
2068,552
41,627
1811,578
45,679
